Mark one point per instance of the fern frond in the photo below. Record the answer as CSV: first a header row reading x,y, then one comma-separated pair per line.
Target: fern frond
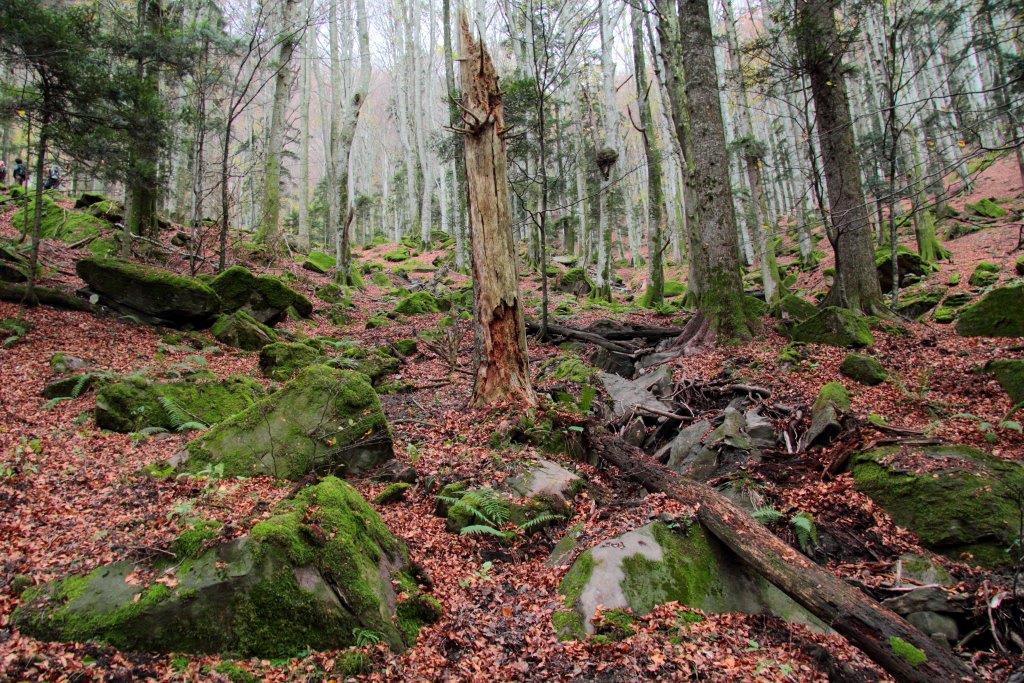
x,y
805,529
54,401
151,430
76,391
482,530
766,515
186,426
175,413
540,520
448,500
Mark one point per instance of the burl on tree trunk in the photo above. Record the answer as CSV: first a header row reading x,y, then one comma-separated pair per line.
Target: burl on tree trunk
x,y
882,635
503,373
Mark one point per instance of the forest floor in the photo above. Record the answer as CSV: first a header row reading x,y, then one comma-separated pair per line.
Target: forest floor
x,y
73,497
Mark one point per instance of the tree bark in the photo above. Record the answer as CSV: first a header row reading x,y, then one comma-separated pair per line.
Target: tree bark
x,y
856,282
270,215
503,371
871,627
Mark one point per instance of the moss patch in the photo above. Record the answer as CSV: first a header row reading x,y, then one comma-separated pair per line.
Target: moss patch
x,y
911,654
133,403
863,369
418,303
280,361
834,326
318,262
1000,313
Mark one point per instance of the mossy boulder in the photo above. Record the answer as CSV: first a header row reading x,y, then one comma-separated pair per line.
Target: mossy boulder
x,y
332,293
134,403
264,297
322,420
957,299
986,208
155,293
919,300
309,577
673,288
374,363
241,330
1010,375
397,255
944,315
318,262
87,199
575,281
405,347
834,326
68,225
655,564
985,274
281,360
1000,313
957,499
864,369
418,303
793,307
909,264
14,267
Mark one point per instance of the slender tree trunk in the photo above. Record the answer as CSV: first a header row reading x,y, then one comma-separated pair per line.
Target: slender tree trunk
x,y
309,46
856,281
37,218
657,211
722,311
603,280
503,371
453,120
268,232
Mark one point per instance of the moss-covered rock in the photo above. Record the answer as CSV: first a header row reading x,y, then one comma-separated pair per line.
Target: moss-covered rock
x,y
318,262
1000,313
909,264
832,393
919,300
944,315
87,199
673,288
14,267
153,292
322,420
405,347
863,369
281,360
332,293
68,225
575,281
418,303
134,403
986,208
264,297
793,307
397,255
835,326
653,565
241,330
957,299
1010,375
392,492
309,577
985,274
957,499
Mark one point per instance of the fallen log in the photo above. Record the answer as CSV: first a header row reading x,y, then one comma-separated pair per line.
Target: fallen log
x,y
581,335
646,333
16,293
882,635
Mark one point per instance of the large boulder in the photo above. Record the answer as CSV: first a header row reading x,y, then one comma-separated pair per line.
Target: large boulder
x,y
919,300
318,262
264,297
59,223
1010,375
310,577
134,403
323,420
864,369
281,360
909,264
157,294
574,281
549,482
241,330
957,499
653,565
1000,313
835,326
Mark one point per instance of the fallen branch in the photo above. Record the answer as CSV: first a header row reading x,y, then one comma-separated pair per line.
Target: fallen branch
x,y
865,623
44,295
582,335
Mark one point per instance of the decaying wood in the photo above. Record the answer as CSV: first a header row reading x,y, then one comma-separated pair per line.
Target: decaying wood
x,y
865,623
503,372
44,295
582,335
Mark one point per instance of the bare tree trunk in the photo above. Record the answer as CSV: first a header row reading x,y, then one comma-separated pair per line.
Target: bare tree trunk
x,y
856,281
503,371
460,164
606,156
268,232
308,55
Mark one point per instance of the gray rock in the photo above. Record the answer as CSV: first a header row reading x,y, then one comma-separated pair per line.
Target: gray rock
x,y
922,570
628,394
939,626
685,442
652,565
548,481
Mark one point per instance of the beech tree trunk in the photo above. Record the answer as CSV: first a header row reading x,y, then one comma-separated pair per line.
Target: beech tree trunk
x,y
503,371
856,281
270,214
871,627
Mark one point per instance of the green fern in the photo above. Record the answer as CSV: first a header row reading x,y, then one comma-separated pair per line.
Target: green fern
x,y
805,529
539,521
766,515
485,505
366,636
187,426
54,401
175,413
80,385
484,530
